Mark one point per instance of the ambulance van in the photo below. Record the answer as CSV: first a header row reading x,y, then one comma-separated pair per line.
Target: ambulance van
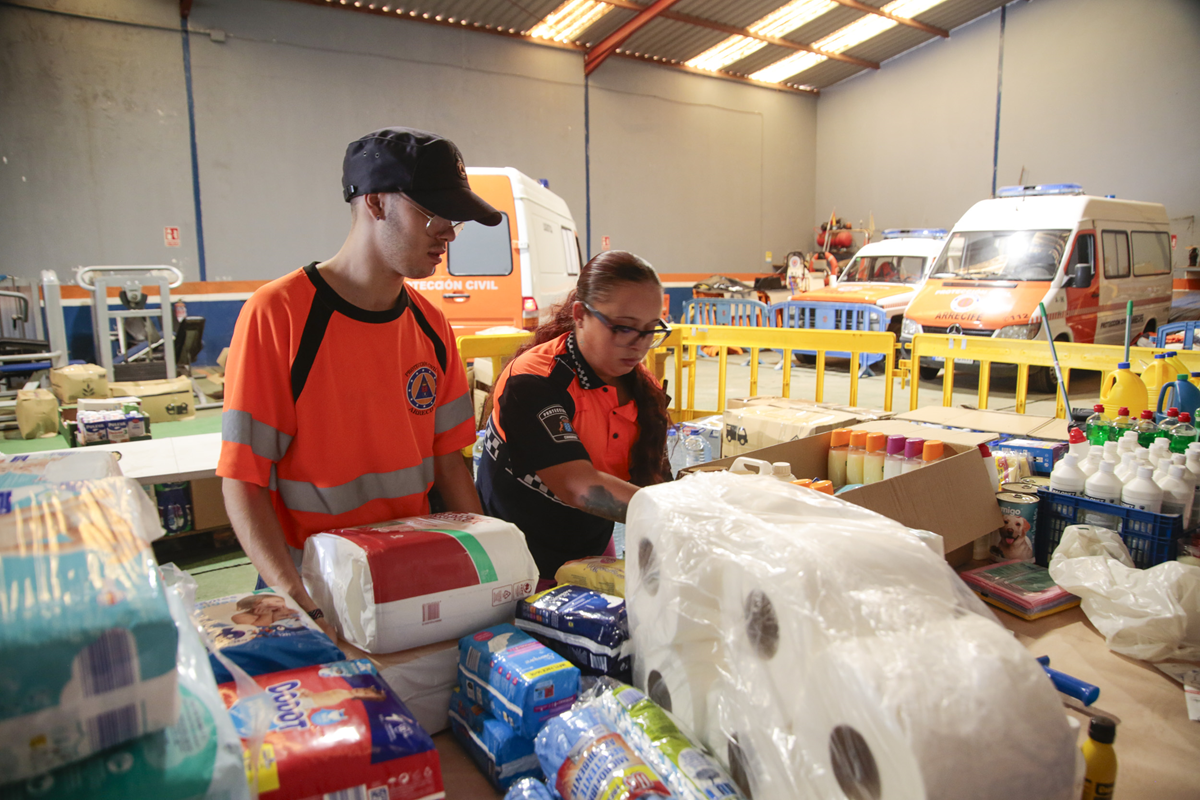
x,y
1082,256
886,274
513,273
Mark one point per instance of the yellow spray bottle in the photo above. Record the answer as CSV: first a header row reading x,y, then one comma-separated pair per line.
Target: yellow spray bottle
x,y
1101,776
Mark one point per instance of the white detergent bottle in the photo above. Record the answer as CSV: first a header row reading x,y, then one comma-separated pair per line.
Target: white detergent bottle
x,y
1127,442
1164,466
782,471
1095,456
1193,467
742,466
1067,477
1104,485
1143,493
1177,494
1127,469
1112,453
1079,446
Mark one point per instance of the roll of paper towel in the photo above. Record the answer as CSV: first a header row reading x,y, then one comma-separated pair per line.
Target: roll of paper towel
x,y
752,741
676,582
679,679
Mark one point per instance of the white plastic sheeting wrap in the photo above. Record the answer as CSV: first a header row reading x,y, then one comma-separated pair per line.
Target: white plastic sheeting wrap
x,y
824,651
1152,614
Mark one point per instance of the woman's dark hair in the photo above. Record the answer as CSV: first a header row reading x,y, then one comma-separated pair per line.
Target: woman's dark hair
x,y
599,277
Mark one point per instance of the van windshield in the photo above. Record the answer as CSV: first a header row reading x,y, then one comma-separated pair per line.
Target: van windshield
x,y
884,269
1002,255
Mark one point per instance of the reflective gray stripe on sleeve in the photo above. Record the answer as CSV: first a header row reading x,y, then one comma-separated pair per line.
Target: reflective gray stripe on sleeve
x,y
453,414
266,442
308,497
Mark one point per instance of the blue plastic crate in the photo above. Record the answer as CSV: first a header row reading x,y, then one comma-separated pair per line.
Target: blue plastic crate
x,y
1149,537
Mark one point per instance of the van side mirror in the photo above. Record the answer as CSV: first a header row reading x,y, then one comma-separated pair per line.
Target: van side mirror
x,y
1083,276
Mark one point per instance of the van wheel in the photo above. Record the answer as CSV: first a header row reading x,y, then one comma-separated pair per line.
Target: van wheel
x,y
929,373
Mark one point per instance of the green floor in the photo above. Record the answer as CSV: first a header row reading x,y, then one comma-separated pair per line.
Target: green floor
x,y
207,420
217,574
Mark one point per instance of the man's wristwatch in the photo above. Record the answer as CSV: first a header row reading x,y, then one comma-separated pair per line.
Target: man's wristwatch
x,y
316,614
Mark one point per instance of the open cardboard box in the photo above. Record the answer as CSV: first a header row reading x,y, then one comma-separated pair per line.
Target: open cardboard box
x,y
1010,422
757,422
952,497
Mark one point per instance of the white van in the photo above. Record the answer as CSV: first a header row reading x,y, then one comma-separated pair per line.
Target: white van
x,y
1083,256
513,273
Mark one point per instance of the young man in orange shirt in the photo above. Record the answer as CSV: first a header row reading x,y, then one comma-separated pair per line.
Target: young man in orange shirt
x,y
345,399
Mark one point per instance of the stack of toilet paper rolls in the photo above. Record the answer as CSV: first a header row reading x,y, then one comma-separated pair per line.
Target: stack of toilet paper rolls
x,y
822,650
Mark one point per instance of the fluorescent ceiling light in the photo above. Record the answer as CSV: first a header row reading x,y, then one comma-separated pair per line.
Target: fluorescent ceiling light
x,y
841,40
565,23
778,23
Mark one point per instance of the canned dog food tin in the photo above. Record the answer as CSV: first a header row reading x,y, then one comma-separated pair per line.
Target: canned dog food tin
x,y
1020,525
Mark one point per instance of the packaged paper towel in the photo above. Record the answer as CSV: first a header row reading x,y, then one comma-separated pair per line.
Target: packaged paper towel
x,y
502,754
821,650
197,758
419,580
86,465
423,677
337,730
87,643
528,789
586,758
588,628
516,677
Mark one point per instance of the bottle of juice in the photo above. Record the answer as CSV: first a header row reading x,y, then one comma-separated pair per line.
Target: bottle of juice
x,y
1120,424
839,444
1101,776
893,465
1183,434
1097,425
873,461
854,457
1146,428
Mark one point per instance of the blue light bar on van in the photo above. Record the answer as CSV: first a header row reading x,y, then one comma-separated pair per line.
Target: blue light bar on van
x,y
1040,189
915,233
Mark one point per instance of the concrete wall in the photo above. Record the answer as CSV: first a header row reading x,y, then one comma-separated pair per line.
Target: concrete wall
x,y
1097,92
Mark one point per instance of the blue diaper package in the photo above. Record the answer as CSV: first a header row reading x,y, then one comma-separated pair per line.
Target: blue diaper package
x,y
1043,455
584,757
528,789
588,628
87,642
502,755
263,632
515,677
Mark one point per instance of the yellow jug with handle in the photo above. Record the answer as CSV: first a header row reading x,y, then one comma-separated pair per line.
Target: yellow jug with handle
x,y
1156,375
1123,388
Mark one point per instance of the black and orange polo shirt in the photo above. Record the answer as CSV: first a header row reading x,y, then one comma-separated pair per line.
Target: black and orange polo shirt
x,y
337,410
551,408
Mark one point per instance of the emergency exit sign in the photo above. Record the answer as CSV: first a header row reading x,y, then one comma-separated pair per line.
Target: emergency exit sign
x,y
171,236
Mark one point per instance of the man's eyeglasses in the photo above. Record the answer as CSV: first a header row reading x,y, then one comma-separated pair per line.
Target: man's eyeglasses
x,y
442,224
626,336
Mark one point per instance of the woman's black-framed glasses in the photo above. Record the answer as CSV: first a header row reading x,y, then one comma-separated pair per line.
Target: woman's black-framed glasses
x,y
626,336
430,228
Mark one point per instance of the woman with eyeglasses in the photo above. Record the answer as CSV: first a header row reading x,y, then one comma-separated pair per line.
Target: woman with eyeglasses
x,y
579,423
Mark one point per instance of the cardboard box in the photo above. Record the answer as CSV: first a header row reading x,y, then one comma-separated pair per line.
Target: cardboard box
x,y
208,504
37,413
754,423
1010,422
78,380
167,400
953,497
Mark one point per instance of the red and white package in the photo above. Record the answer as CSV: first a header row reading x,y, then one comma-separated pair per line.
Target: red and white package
x,y
338,728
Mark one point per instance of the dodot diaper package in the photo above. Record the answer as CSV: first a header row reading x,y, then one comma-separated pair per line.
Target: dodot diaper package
x,y
87,642
588,628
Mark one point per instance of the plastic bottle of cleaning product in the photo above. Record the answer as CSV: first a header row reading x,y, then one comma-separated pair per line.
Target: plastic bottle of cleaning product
x,y
1183,434
873,461
1097,425
1179,393
1157,373
839,444
477,451
854,457
1078,444
1104,485
742,466
1123,388
893,465
1121,424
1127,443
1067,477
1092,464
931,451
1164,465
1146,428
1192,463
1167,423
1142,492
913,448
1177,493
1100,779
1177,365
1112,453
696,447
782,471
1195,380
803,483
825,487
1127,468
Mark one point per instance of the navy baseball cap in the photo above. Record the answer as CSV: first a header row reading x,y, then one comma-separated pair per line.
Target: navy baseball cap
x,y
426,167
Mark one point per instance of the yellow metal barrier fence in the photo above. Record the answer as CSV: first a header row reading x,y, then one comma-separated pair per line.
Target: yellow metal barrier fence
x,y
497,347
1024,354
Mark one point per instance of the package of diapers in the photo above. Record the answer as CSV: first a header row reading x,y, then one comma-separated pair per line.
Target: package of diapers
x,y
601,573
419,580
86,465
502,754
515,677
336,730
422,677
263,632
588,628
198,758
87,643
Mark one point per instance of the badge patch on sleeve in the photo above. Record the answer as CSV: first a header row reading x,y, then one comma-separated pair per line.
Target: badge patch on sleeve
x,y
558,424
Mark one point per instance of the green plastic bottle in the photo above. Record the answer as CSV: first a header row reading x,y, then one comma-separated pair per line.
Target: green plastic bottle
x,y
1183,434
1097,426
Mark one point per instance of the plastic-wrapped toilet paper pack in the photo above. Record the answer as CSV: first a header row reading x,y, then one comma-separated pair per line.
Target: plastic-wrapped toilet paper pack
x,y
584,757
680,678
501,753
587,628
85,465
87,643
423,677
419,580
263,632
515,677
197,758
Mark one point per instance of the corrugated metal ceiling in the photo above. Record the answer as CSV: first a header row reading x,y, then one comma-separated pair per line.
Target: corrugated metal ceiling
x,y
673,41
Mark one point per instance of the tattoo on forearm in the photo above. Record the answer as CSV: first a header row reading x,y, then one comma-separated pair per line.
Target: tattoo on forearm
x,y
600,501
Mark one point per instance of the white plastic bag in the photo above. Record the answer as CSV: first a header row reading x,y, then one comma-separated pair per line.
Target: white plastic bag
x,y
1152,614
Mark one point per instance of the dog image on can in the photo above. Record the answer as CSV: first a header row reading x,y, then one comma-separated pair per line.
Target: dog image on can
x,y
1014,538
